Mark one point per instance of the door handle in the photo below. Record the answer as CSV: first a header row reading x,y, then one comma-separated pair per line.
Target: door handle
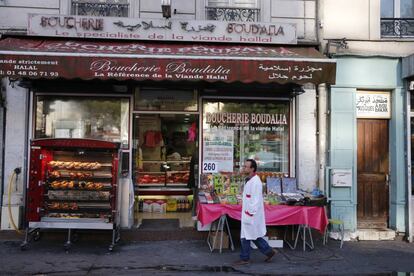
x,y
387,179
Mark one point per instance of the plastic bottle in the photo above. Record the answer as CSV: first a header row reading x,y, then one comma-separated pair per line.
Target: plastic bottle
x,y
316,192
187,205
140,205
179,206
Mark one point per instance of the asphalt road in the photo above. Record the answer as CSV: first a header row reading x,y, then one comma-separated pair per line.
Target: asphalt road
x,y
47,257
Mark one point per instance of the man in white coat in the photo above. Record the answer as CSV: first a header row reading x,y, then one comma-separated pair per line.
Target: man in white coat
x,y
253,226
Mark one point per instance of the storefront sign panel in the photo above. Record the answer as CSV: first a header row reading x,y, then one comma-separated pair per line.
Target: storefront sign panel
x,y
218,150
160,29
210,70
373,104
341,177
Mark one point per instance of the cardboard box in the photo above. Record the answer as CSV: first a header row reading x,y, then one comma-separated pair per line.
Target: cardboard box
x,y
225,244
159,206
274,243
171,205
203,228
147,206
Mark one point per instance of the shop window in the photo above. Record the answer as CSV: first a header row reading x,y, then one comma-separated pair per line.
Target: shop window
x,y
397,18
82,117
236,131
115,8
232,10
165,100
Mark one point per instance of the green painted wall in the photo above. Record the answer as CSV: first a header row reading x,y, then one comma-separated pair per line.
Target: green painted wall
x,y
355,73
342,153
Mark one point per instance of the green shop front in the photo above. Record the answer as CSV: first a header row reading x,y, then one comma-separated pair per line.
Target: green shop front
x,y
366,173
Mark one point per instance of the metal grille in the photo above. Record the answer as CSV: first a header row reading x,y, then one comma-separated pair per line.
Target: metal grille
x,y
397,27
232,14
116,8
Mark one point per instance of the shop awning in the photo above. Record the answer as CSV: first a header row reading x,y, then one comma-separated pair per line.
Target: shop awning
x,y
119,60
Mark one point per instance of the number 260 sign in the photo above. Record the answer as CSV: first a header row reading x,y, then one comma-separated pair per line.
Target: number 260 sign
x,y
210,167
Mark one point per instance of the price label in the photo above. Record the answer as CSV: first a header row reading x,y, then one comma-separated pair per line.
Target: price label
x,y
210,167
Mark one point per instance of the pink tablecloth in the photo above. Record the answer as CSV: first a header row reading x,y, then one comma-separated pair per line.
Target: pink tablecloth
x,y
312,216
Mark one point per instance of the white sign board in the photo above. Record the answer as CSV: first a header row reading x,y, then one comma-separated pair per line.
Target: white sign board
x,y
218,150
341,177
160,29
375,105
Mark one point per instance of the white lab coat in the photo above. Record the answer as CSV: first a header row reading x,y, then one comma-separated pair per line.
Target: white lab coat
x,y
253,227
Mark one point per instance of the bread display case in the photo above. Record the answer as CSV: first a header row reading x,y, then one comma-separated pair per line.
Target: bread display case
x,y
73,184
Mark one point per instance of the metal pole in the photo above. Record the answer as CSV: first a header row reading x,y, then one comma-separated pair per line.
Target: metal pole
x,y
409,166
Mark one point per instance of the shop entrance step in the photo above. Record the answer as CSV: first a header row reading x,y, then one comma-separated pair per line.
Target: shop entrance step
x,y
138,234
159,224
376,234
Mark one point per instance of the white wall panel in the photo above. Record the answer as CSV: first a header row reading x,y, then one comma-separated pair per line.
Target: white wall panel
x,y
306,161
150,15
150,6
310,29
287,8
153,15
49,4
182,6
346,18
375,19
300,24
310,9
12,17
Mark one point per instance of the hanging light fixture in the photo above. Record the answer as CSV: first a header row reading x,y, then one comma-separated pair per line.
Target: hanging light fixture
x,y
166,8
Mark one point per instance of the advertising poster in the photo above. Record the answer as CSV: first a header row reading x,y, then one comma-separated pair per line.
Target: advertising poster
x,y
218,150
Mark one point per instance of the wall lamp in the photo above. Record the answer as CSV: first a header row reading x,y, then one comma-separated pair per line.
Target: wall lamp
x,y
166,8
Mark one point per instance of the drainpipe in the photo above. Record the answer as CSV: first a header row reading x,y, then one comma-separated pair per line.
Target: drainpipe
x,y
409,167
3,131
321,132
318,156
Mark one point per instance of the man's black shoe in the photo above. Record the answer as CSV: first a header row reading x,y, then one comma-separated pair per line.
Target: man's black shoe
x,y
270,256
241,262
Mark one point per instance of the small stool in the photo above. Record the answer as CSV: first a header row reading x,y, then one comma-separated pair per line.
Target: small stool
x,y
334,223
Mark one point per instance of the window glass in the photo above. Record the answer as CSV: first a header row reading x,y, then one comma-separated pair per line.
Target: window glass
x,y
115,8
235,131
387,8
82,117
407,8
233,10
233,3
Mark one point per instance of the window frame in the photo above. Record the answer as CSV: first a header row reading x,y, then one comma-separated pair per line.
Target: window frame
x,y
291,171
128,2
396,26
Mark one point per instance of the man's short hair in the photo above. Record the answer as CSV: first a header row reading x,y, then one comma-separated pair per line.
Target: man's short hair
x,y
253,164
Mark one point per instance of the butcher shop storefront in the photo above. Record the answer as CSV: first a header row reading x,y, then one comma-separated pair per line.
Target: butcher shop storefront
x,y
166,105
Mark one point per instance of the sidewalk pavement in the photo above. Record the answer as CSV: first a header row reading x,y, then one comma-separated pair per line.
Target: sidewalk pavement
x,y
191,257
